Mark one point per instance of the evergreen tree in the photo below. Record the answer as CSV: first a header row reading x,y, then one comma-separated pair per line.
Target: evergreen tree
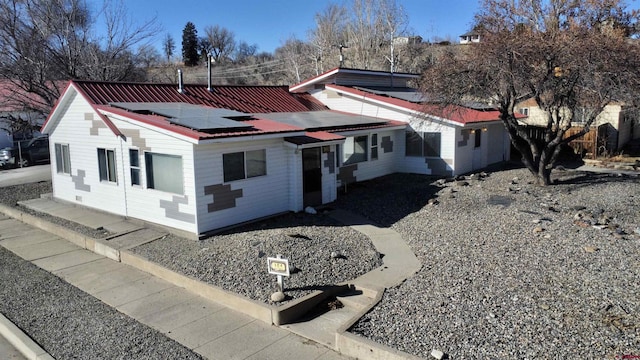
x,y
190,44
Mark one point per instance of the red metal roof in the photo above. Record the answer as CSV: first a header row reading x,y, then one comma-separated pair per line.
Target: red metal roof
x,y
458,114
248,99
13,97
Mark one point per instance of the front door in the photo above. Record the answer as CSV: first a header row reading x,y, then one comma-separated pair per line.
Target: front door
x,y
312,176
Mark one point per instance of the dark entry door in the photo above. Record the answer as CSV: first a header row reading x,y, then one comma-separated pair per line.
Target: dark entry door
x,y
311,177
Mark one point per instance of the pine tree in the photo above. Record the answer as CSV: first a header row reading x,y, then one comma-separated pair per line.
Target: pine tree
x,y
190,45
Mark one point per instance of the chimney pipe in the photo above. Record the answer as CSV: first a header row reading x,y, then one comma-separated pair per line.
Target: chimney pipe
x,y
209,58
180,83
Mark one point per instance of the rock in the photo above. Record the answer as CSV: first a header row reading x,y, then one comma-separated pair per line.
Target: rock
x,y
538,229
590,249
637,231
437,354
277,296
462,183
548,236
441,182
600,227
335,254
433,201
544,306
537,221
582,223
310,210
452,190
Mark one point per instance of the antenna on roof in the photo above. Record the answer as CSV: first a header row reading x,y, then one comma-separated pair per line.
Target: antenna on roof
x,y
180,83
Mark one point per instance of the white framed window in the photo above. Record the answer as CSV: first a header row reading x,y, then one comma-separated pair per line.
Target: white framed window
x,y
107,165
374,146
134,165
63,160
426,144
524,111
164,172
244,165
355,150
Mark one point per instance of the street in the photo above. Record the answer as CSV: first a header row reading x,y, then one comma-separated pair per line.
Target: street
x,y
25,175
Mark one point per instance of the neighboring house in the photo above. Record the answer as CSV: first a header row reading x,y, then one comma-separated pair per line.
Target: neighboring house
x,y
199,160
447,142
470,37
17,107
616,125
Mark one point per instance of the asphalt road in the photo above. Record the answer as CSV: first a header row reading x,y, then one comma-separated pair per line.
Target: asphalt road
x,y
30,174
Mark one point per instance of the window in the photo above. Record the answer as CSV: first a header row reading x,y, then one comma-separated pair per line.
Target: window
x,y
374,146
355,150
134,164
478,139
164,172
243,165
107,165
524,111
63,161
425,144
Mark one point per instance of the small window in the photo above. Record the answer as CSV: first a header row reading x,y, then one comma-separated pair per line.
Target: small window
x,y
134,164
374,146
355,150
63,160
413,143
243,165
164,172
478,140
107,165
524,111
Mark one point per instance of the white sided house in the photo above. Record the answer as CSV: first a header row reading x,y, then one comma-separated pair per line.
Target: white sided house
x,y
445,142
198,160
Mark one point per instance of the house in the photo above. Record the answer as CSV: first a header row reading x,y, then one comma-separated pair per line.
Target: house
x,y
613,128
198,160
445,142
19,118
470,37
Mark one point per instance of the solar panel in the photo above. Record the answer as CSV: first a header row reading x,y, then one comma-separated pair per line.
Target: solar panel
x,y
321,119
407,94
197,117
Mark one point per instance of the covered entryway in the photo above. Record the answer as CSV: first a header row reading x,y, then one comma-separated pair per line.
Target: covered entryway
x,y
312,176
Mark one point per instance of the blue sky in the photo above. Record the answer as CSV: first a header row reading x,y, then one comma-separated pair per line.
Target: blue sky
x,y
268,23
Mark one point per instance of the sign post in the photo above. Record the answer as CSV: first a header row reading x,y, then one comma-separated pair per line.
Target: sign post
x,y
280,267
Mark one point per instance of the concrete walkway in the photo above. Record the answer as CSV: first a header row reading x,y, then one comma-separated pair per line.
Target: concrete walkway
x,y
208,328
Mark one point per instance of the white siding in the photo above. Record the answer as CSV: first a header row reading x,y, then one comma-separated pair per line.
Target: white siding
x,y
144,203
385,164
329,180
74,130
261,196
448,143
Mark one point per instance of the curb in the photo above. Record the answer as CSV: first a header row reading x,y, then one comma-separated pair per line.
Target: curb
x,y
21,341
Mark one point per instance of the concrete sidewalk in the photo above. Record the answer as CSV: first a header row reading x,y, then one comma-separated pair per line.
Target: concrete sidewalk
x,y
214,331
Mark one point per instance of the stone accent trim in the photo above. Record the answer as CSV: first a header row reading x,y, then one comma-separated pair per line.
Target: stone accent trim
x,y
331,162
439,166
172,209
466,133
223,197
136,139
78,181
346,176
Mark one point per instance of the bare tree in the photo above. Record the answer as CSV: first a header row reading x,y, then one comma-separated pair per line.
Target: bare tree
x,y
168,47
393,22
45,41
572,57
328,35
295,53
364,35
222,42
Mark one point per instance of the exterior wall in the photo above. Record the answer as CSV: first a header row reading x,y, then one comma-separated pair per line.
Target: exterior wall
x,y
372,168
84,132
446,164
83,185
223,203
153,205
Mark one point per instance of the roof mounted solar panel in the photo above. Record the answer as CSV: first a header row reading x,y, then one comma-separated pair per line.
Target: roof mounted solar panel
x,y
196,117
322,119
407,94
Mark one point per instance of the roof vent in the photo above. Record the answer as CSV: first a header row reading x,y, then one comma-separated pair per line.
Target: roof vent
x,y
209,61
180,83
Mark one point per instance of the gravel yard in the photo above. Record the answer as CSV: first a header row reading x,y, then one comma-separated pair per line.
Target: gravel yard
x,y
510,269
237,260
